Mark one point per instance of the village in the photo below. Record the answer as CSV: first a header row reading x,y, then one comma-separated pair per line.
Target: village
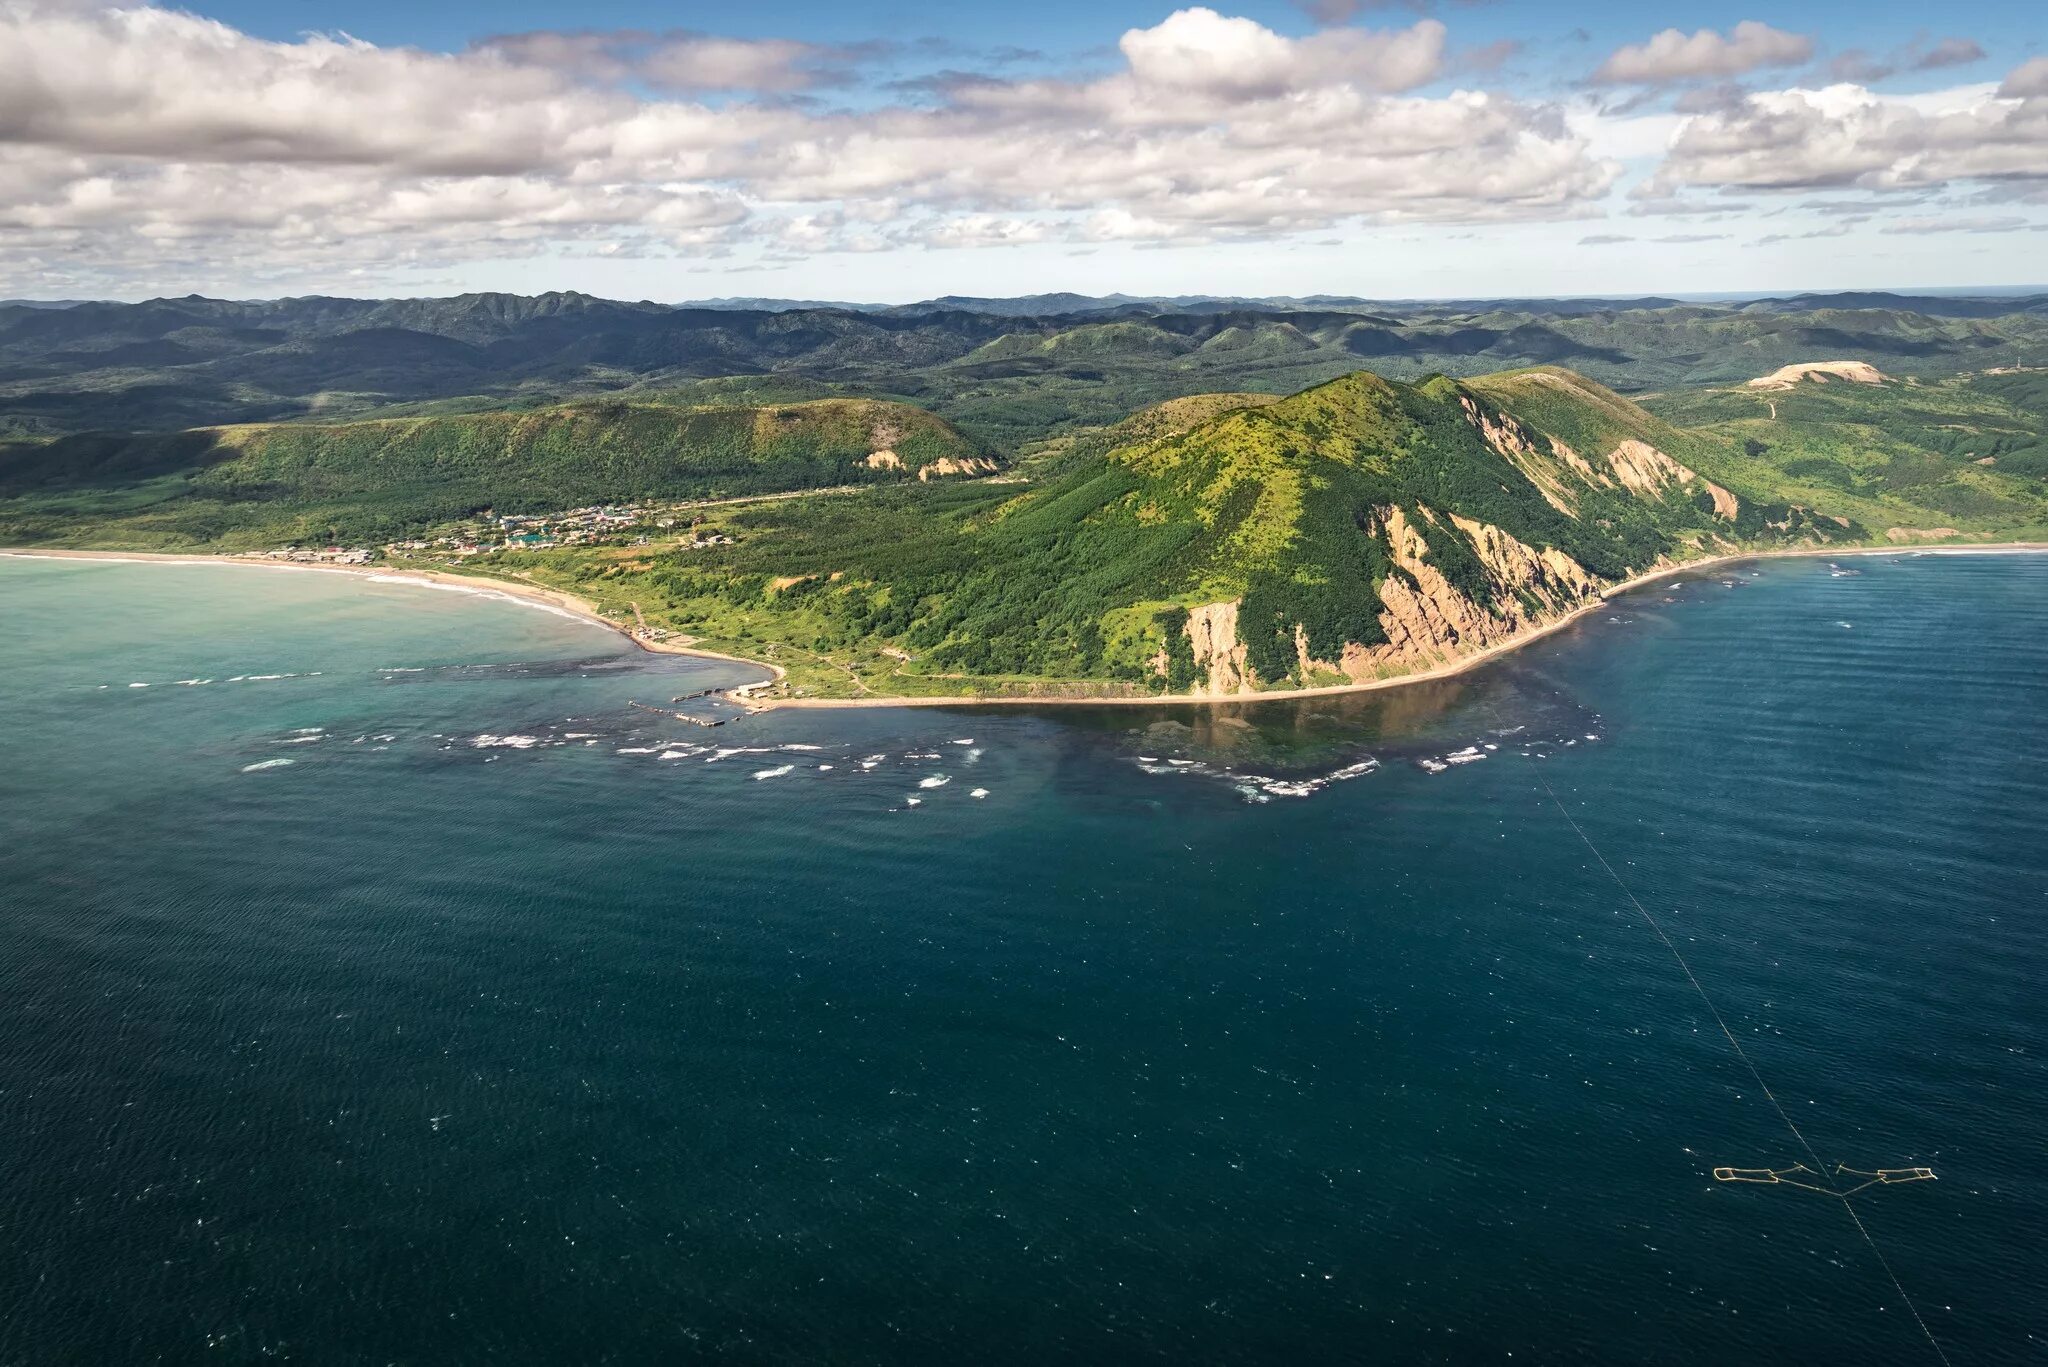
x,y
490,533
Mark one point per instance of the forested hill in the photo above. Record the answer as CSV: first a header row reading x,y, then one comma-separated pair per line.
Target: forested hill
x,y
268,484
1002,370
1361,528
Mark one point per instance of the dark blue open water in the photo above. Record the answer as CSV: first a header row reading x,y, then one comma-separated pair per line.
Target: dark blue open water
x,y
434,1047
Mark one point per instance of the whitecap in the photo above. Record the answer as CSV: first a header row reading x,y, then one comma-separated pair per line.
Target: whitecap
x,y
935,781
491,742
732,750
265,764
777,772
979,792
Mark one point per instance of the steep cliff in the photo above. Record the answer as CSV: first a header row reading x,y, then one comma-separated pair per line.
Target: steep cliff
x,y
1371,528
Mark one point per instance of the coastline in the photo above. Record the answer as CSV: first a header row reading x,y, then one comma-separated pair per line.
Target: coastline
x,y
1449,668
557,599
584,609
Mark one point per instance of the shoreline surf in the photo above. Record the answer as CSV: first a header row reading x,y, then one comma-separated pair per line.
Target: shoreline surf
x,y
582,609
559,601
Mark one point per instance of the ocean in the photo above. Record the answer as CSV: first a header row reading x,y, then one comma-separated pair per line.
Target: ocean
x,y
378,985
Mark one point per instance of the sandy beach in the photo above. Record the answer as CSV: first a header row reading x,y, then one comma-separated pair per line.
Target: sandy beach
x,y
581,607
533,593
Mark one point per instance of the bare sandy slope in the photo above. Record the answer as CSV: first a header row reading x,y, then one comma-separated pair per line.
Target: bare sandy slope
x,y
1784,377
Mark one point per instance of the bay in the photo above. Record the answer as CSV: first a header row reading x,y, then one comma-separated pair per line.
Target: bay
x,y
506,1021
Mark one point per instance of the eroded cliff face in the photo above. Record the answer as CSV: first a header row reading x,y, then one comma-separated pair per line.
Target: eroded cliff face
x,y
1426,619
1644,470
947,465
1516,445
1561,474
886,459
1212,629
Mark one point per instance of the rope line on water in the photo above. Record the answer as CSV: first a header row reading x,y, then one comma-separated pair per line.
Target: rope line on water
x,y
1819,1168
1796,1175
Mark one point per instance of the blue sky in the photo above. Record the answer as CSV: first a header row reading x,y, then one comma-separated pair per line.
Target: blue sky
x,y
895,151
1078,25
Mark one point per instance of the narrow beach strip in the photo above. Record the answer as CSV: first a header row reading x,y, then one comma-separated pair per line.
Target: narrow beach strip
x,y
572,605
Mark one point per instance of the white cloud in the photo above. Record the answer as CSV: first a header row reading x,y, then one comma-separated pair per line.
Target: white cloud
x,y
2026,81
1673,56
124,130
2004,223
1846,136
1203,51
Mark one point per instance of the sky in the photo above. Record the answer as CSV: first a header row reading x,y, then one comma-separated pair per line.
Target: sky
x,y
884,152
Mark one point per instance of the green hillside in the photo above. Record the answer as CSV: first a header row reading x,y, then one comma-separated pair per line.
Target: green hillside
x,y
265,484
1358,529
1969,453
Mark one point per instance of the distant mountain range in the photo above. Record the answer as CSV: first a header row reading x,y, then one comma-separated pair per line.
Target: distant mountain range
x,y
1957,305
1006,371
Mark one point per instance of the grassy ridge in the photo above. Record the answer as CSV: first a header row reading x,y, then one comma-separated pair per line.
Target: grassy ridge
x,y
1969,453
376,480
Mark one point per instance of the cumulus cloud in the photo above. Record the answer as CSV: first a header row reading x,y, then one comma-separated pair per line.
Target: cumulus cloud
x,y
1673,56
1846,136
2026,81
123,130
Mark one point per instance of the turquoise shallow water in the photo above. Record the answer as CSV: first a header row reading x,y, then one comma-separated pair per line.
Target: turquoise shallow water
x,y
483,1032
